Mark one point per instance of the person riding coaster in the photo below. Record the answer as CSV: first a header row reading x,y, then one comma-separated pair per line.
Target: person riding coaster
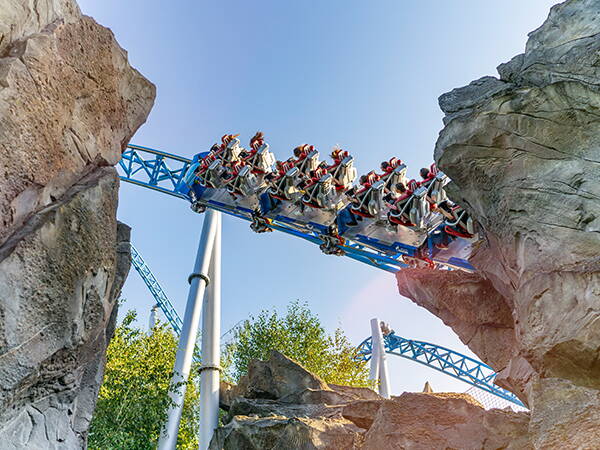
x,y
394,172
462,224
434,181
259,157
232,149
283,186
368,201
411,208
307,159
342,170
239,180
320,191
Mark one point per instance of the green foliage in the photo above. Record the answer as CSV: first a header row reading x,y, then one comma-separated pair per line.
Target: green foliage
x,y
300,336
133,398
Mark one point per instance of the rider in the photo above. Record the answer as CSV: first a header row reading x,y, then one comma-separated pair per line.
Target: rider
x,y
255,143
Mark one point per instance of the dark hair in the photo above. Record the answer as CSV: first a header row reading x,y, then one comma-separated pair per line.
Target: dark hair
x,y
384,165
424,172
401,187
363,179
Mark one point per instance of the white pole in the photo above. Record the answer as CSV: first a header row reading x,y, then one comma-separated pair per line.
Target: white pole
x,y
375,359
189,333
152,320
384,378
211,349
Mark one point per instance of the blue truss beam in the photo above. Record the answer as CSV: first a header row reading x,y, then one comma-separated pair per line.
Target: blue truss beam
x,y
444,360
436,357
156,290
162,172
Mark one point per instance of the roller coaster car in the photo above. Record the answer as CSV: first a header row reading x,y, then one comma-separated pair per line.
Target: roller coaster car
x,y
412,210
213,176
262,160
343,173
463,225
419,207
232,152
370,201
285,187
243,183
309,163
435,189
321,194
398,175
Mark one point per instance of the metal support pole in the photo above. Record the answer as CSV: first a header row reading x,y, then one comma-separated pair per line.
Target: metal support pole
x,y
384,378
187,341
375,359
152,319
378,353
211,348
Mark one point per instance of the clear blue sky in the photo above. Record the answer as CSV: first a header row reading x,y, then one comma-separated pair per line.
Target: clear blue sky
x,y
365,75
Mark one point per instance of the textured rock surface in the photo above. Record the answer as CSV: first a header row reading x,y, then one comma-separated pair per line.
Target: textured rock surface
x,y
69,102
339,417
523,153
426,421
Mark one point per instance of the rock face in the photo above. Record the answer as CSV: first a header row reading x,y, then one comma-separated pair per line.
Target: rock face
x,y
281,405
69,103
523,153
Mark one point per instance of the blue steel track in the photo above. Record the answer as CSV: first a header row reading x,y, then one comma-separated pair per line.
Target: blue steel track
x,y
163,172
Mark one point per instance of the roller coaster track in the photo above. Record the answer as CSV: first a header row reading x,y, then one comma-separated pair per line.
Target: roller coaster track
x,y
156,290
444,360
164,172
434,356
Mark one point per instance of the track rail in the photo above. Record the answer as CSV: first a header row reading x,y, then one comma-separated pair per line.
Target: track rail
x,y
444,360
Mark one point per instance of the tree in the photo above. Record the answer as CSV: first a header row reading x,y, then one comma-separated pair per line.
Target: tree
x,y
300,336
133,398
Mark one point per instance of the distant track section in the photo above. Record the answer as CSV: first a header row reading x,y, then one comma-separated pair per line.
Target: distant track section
x,y
156,290
444,360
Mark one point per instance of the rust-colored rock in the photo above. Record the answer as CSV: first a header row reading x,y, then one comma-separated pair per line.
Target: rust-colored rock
x,y
340,417
523,153
425,421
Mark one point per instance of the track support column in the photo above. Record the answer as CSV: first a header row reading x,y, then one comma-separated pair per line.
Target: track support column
x,y
378,354
375,359
187,341
211,348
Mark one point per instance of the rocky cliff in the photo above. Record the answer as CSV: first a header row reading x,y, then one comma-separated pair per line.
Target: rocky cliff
x,y
281,405
523,153
69,103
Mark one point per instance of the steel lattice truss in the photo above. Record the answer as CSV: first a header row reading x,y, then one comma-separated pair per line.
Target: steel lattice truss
x,y
153,169
164,172
444,360
156,290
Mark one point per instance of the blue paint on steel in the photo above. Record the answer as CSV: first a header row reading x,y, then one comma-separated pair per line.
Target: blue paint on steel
x,y
164,172
447,361
156,290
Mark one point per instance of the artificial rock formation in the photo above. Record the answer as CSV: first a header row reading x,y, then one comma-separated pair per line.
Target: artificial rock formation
x,y
69,103
279,404
523,153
